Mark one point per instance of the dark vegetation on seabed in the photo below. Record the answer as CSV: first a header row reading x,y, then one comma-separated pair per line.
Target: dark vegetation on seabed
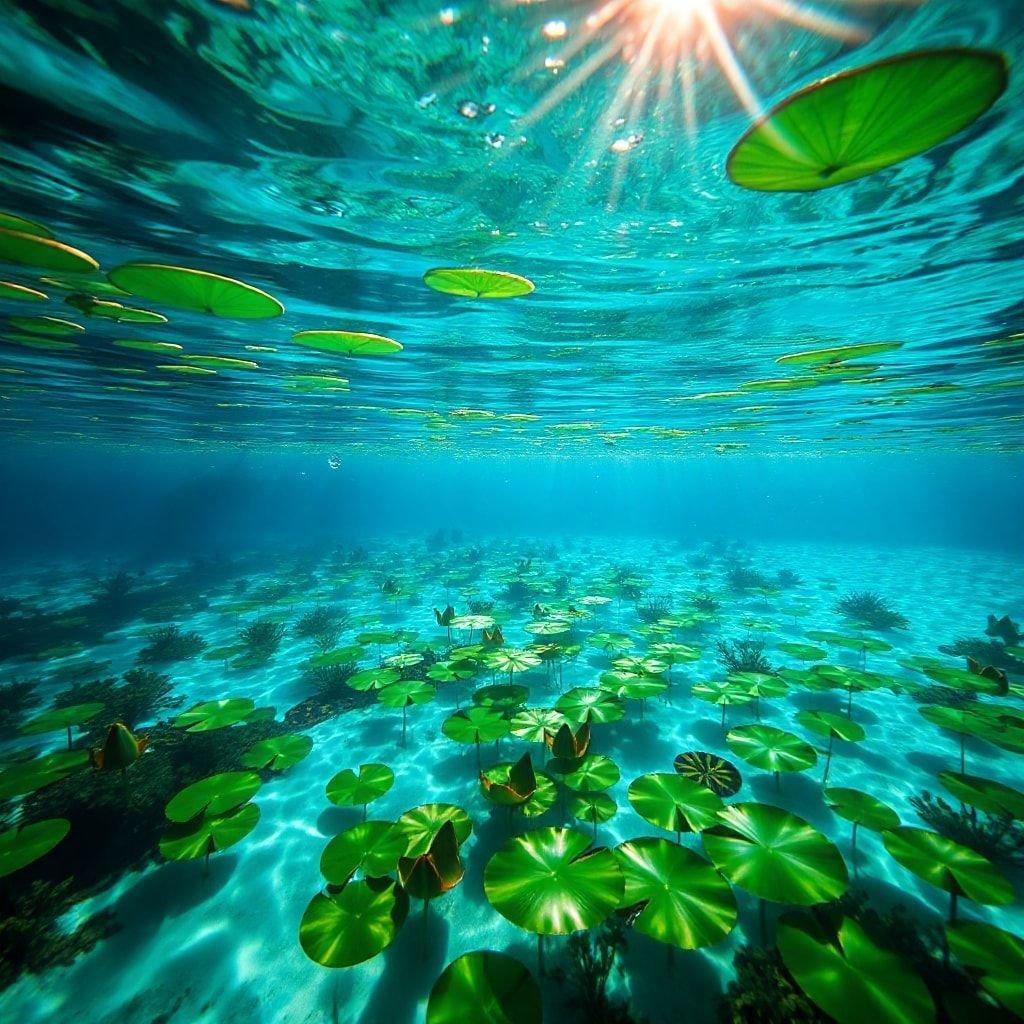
x,y
119,819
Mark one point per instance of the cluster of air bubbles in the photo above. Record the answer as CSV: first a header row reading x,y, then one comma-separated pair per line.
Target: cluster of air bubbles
x,y
334,461
471,110
627,142
495,140
426,100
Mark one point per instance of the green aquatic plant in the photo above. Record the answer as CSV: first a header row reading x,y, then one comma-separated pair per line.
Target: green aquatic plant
x,y
674,803
997,834
764,992
509,785
595,808
210,715
590,705
278,753
141,696
473,283
589,774
321,625
420,825
871,610
710,771
860,809
405,694
20,776
476,725
61,719
771,749
997,956
833,727
744,656
349,789
723,693
261,639
19,847
169,644
484,988
437,871
16,698
372,847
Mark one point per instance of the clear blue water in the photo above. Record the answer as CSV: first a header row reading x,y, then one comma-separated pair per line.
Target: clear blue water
x,y
608,436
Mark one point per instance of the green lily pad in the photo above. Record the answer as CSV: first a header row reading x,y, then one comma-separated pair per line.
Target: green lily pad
x,y
948,865
985,794
196,290
542,799
803,652
211,833
12,222
278,752
421,824
595,808
861,808
20,293
710,771
771,749
140,345
831,725
674,895
373,847
471,283
23,777
509,785
61,718
347,343
551,882
849,977
590,704
215,714
674,803
592,774
476,725
531,724
373,678
858,122
342,929
213,795
484,988
502,696
47,325
19,847
997,954
406,693
826,357
347,789
46,253
775,855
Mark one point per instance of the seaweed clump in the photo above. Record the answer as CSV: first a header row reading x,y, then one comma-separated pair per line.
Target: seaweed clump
x,y
999,635
140,697
872,610
261,638
997,837
591,961
653,608
321,625
16,699
764,993
744,656
171,643
742,578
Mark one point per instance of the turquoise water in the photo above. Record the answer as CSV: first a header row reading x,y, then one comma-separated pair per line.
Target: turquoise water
x,y
619,462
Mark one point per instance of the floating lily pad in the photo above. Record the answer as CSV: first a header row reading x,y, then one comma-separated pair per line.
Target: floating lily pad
x,y
674,895
552,882
710,771
803,652
211,833
509,785
23,777
476,725
213,795
674,803
530,724
373,847
374,678
342,929
48,325
20,293
12,222
998,955
592,774
849,977
19,847
140,345
347,789
590,704
46,253
222,362
595,808
484,988
278,752
215,714
57,719
502,696
985,794
775,855
347,343
197,290
542,799
861,808
471,283
405,693
771,749
838,354
421,824
856,123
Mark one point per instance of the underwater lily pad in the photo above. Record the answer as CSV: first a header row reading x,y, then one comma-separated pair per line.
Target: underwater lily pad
x,y
592,774
215,714
348,927
196,290
373,847
13,222
509,785
405,693
21,777
347,789
278,752
20,293
861,808
211,833
542,799
856,123
710,771
997,954
46,253
502,696
141,345
775,855
595,808
803,652
674,895
484,988
849,977
530,724
674,803
421,824
590,704
213,795
552,882
471,283
47,325
57,719
771,749
986,795
476,725
19,847
347,343
374,678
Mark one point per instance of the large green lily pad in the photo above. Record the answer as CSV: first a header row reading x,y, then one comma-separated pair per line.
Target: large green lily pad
x,y
476,725
592,774
213,795
997,954
211,833
590,704
421,824
196,290
771,749
46,253
61,718
374,847
710,771
675,896
347,789
858,122
484,988
215,714
19,847
472,283
986,794
278,752
551,882
673,802
347,343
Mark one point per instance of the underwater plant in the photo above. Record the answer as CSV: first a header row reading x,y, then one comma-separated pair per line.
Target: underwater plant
x,y
871,610
321,625
348,789
261,639
786,579
997,836
742,578
142,696
112,593
705,602
764,992
15,699
170,643
860,809
744,656
653,608
433,873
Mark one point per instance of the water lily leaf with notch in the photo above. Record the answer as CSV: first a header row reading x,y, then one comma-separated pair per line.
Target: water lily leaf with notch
x,y
861,808
674,803
531,724
759,684
552,882
210,833
595,808
611,642
710,771
373,847
986,795
849,977
406,693
591,705
347,789
347,927
484,988
775,855
997,954
721,692
19,847
511,659
215,714
632,687
61,718
675,896
420,824
771,749
543,797
640,665
948,865
215,794
278,752
548,627
592,774
373,678
827,723
476,725
502,696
